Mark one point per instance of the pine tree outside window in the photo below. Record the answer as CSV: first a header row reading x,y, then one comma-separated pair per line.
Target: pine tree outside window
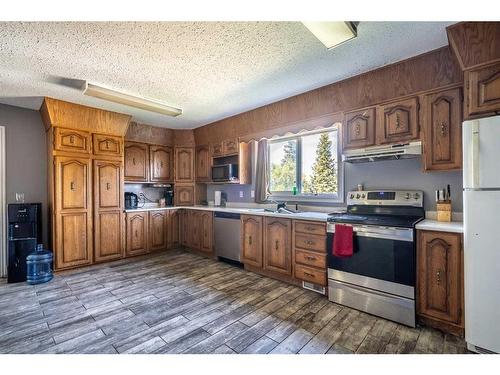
x,y
310,162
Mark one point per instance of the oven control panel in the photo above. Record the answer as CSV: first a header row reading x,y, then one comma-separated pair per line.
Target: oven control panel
x,y
414,198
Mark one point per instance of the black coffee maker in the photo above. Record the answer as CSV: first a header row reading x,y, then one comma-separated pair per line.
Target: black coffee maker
x,y
169,196
131,200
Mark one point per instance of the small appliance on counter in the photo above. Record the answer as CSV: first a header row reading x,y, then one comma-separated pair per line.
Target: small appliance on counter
x,y
169,196
443,204
220,198
131,200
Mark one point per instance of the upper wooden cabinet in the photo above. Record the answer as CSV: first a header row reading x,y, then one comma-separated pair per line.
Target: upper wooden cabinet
x,y
107,185
184,164
72,177
160,162
158,230
359,128
184,195
251,240
72,140
230,146
442,130
397,121
482,97
203,164
137,233
107,145
216,149
136,162
277,245
440,279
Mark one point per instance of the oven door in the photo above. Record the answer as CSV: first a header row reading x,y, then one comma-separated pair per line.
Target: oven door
x,y
382,256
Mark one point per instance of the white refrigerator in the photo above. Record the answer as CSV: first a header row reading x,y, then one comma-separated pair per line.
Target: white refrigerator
x,y
481,173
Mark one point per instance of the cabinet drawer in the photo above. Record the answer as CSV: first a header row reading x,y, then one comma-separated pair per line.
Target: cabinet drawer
x,y
315,243
310,258
310,228
71,140
107,145
312,275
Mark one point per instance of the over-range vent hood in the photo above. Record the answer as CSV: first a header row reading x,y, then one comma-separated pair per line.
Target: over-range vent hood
x,y
387,152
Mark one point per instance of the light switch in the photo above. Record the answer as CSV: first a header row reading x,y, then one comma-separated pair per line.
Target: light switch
x,y
252,193
241,194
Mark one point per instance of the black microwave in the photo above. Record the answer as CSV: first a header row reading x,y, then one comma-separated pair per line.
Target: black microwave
x,y
225,172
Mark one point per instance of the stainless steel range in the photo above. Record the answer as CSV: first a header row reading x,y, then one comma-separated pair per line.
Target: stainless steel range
x,y
379,278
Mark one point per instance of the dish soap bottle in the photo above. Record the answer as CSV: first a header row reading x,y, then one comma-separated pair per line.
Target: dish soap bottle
x,y
294,189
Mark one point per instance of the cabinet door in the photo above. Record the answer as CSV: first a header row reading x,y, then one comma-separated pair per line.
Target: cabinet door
x,y
216,149
184,164
71,140
107,145
483,90
230,146
194,235
73,239
160,160
439,275
158,227
203,163
184,195
72,183
186,228
206,235
251,240
108,203
398,121
137,233
136,162
174,232
442,128
277,248
359,129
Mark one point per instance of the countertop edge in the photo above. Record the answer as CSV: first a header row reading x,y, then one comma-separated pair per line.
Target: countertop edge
x,y
440,226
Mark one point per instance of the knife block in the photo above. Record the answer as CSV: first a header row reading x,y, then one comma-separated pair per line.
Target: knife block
x,y
444,211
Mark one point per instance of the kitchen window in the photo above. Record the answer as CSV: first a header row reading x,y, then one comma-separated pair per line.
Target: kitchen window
x,y
306,167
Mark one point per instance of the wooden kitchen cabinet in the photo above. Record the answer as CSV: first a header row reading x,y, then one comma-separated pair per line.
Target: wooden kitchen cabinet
x,y
185,222
251,240
184,195
216,149
359,128
158,230
73,212
440,280
160,164
184,164
397,121
442,130
137,233
194,235
277,245
206,231
108,210
71,140
203,164
230,146
174,229
482,91
136,162
107,145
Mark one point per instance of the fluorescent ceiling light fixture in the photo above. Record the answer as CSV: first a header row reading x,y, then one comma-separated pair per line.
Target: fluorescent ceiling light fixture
x,y
130,100
331,34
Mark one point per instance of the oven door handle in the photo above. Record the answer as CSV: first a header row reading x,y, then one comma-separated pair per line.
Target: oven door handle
x,y
386,233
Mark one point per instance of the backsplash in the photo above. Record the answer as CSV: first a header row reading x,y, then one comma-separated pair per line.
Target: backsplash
x,y
152,193
390,174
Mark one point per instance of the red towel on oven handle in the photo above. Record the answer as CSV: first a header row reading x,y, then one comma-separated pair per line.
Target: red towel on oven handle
x,y
343,241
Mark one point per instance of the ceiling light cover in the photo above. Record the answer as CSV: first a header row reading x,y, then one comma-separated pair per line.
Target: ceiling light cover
x,y
130,100
331,34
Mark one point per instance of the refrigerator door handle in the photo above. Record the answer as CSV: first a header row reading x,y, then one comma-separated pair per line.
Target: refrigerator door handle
x,y
475,155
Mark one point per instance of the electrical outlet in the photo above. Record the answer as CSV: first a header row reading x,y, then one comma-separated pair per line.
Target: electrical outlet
x,y
252,193
241,194
20,197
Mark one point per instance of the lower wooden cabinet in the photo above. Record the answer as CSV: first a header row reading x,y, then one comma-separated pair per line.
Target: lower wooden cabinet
x,y
174,229
440,280
197,230
278,245
194,235
158,230
137,233
108,235
206,231
251,240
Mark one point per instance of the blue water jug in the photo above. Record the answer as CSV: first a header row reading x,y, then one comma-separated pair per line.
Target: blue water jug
x,y
39,266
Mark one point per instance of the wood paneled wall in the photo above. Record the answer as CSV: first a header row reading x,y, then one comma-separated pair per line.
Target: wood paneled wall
x,y
431,70
150,134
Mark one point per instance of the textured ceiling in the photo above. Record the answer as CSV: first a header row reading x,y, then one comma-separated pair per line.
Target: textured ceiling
x,y
211,70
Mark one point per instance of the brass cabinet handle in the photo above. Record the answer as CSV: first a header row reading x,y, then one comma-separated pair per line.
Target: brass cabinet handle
x,y
310,228
276,245
108,186
438,276
398,120
107,144
249,240
444,128
309,274
72,186
71,139
136,232
309,242
161,164
133,161
357,129
308,257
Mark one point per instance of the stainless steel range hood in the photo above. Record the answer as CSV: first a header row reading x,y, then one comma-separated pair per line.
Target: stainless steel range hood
x,y
386,152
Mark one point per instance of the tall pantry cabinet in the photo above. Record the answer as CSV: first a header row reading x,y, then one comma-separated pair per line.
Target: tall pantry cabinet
x,y
85,184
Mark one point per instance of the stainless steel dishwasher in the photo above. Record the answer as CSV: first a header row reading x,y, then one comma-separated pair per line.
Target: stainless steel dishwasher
x,y
227,228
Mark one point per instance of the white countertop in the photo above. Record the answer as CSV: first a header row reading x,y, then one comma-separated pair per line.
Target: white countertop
x,y
313,216
441,226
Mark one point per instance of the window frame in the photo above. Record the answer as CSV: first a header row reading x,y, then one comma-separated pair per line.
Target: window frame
x,y
301,197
